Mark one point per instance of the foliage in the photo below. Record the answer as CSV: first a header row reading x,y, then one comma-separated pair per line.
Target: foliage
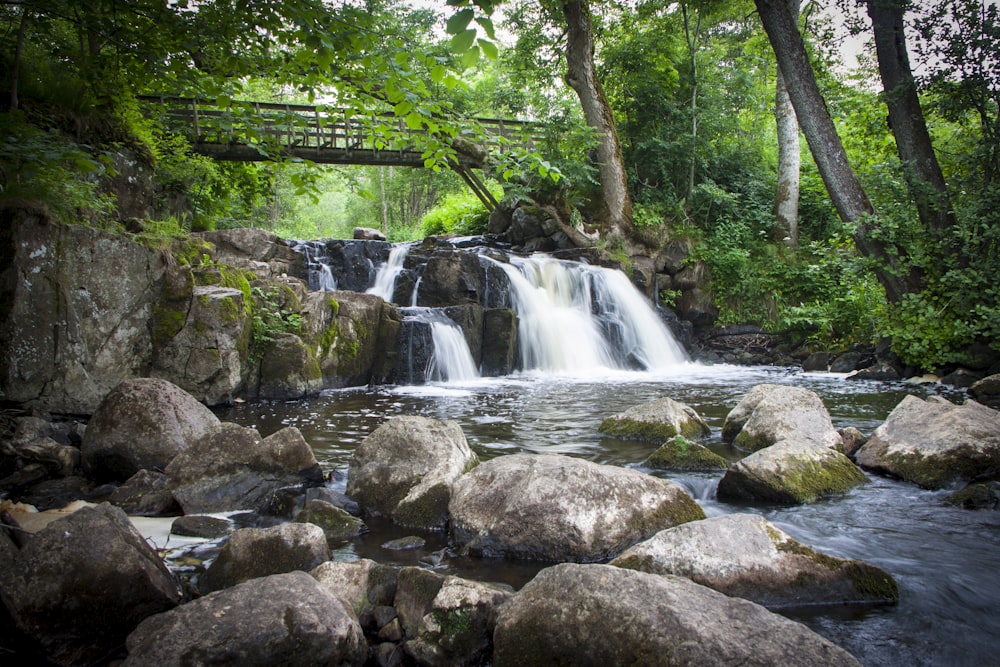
x,y
270,319
461,214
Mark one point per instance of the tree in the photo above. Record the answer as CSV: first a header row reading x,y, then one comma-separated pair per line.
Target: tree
x,y
906,117
786,199
582,78
828,152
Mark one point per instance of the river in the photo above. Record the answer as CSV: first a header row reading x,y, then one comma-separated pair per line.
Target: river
x,y
946,560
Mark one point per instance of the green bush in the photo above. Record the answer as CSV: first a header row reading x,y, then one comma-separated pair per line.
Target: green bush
x,y
461,213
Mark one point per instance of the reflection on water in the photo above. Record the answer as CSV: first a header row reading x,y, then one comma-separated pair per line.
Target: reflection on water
x,y
945,560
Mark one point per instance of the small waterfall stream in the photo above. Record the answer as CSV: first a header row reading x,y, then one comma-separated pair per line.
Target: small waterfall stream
x,y
385,279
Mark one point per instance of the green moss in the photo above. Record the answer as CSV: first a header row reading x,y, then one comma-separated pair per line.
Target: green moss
x,y
630,429
872,582
334,306
190,251
429,511
679,453
167,323
747,443
453,621
975,496
808,482
328,339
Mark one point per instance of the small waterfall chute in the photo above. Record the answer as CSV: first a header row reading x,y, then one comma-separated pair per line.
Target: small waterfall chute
x,y
319,276
388,272
449,359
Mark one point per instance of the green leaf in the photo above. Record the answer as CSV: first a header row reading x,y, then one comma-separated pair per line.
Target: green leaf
x,y
459,21
487,26
462,42
403,108
470,57
438,73
489,48
414,121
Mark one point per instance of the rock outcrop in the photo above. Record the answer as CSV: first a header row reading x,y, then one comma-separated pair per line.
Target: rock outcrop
x,y
558,508
935,443
406,468
602,615
744,555
287,619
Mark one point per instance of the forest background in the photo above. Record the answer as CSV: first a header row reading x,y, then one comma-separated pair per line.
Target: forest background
x,y
691,89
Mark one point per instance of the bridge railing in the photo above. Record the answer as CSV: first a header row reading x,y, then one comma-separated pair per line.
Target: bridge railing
x,y
308,131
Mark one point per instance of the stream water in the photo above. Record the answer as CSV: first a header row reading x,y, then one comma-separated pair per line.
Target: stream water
x,y
946,560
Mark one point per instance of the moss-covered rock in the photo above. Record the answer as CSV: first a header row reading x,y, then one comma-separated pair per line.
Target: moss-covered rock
x,y
977,496
337,524
288,370
791,472
769,413
656,422
935,443
744,555
679,453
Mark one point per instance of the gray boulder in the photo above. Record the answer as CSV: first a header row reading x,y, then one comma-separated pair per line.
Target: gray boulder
x,y
336,523
935,443
769,413
656,422
145,494
80,585
987,391
679,453
559,508
288,370
142,424
284,619
231,467
405,469
363,585
447,620
744,555
791,471
258,552
602,615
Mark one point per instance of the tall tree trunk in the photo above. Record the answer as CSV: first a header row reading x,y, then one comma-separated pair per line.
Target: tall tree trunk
x,y
16,65
385,203
828,152
692,38
906,118
582,78
786,199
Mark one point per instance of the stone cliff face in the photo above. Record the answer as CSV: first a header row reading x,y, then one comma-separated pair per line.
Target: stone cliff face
x,y
220,314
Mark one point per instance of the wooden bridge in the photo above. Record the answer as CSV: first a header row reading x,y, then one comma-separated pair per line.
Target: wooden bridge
x,y
248,131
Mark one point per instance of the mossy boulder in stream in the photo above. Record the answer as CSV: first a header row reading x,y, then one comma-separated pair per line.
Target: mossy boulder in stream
x,y
791,471
656,422
769,413
679,453
744,555
935,443
602,615
560,508
405,469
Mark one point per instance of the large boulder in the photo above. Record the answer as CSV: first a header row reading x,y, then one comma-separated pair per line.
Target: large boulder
x,y
288,370
602,615
335,522
679,453
258,552
559,508
231,467
744,555
935,443
76,305
447,620
656,422
769,413
284,619
81,584
791,471
142,424
363,585
405,469
987,391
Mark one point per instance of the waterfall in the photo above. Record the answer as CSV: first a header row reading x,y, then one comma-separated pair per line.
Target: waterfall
x,y
385,279
327,283
319,276
448,359
575,318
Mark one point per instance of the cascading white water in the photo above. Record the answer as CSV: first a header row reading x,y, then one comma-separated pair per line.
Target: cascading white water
x,y
575,318
327,283
452,360
320,275
385,279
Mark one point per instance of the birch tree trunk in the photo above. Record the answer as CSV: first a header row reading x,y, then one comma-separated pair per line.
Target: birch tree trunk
x,y
786,199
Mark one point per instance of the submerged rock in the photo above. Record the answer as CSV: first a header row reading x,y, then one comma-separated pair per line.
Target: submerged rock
x,y
258,552
744,555
232,467
287,619
557,508
142,424
790,471
336,523
935,443
679,453
80,585
656,422
405,469
602,615
769,413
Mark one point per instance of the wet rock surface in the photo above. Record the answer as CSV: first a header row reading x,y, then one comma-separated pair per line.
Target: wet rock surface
x,y
656,422
769,413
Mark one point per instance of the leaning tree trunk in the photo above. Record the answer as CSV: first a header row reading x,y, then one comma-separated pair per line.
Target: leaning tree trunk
x,y
828,152
786,199
582,78
906,118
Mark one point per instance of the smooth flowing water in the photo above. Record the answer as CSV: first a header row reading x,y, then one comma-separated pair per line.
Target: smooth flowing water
x,y
946,560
